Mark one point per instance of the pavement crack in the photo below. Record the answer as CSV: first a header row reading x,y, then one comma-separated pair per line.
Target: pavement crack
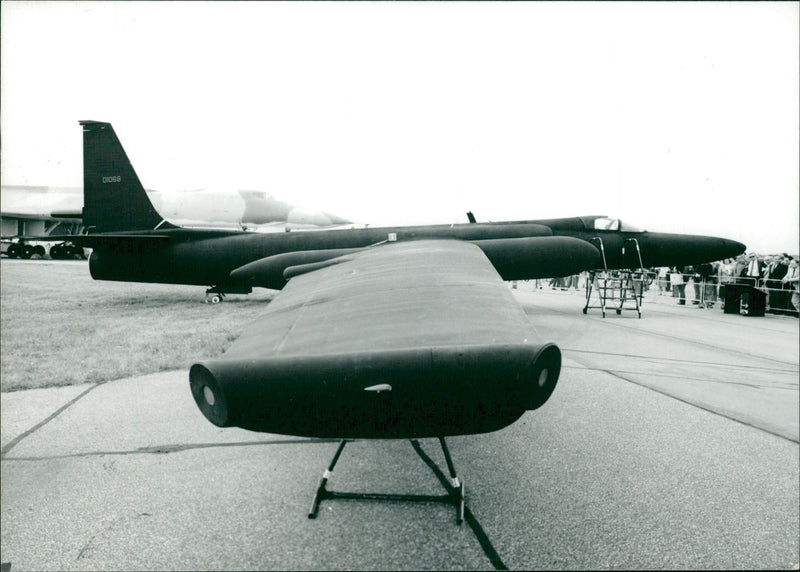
x,y
678,360
641,331
91,545
685,378
166,449
704,408
11,444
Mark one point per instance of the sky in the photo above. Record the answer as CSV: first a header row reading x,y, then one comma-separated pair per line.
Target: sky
x,y
675,117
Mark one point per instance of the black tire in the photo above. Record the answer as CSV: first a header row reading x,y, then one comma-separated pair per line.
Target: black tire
x,y
13,251
56,252
27,251
39,249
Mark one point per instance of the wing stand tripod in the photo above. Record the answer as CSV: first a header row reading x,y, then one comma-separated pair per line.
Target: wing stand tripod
x,y
455,495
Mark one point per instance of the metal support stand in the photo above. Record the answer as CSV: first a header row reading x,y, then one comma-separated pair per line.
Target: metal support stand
x,y
599,280
629,283
632,281
455,496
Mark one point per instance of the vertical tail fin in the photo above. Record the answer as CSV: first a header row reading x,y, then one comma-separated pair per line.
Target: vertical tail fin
x,y
113,197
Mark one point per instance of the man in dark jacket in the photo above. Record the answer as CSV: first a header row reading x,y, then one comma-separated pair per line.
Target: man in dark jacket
x,y
708,283
778,299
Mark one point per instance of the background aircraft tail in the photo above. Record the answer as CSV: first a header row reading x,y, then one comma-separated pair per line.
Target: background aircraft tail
x,y
113,197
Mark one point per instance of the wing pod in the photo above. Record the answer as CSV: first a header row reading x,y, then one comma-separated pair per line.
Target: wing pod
x,y
540,257
663,249
412,393
268,272
299,269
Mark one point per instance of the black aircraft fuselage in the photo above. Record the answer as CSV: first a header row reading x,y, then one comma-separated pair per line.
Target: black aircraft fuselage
x,y
234,260
132,242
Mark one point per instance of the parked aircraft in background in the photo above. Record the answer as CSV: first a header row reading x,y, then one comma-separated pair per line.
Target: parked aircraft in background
x,y
402,332
242,210
58,211
39,211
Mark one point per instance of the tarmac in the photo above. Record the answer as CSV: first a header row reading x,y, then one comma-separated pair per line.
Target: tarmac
x,y
670,442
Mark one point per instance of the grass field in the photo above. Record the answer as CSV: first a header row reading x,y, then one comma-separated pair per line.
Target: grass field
x,y
60,327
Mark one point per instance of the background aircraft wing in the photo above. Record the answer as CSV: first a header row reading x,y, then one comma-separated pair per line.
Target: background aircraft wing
x,y
105,239
406,339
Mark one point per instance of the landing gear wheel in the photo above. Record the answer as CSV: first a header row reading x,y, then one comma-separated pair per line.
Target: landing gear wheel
x,y
214,295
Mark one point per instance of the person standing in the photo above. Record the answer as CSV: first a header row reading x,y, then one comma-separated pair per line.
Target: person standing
x,y
778,300
791,282
740,269
708,283
726,276
678,285
663,279
755,267
696,285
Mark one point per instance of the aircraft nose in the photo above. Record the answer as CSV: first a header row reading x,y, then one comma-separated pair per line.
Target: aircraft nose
x,y
732,248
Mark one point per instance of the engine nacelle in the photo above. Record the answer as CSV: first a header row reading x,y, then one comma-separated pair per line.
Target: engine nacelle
x,y
413,393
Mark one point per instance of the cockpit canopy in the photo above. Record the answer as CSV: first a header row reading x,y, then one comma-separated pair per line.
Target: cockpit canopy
x,y
606,223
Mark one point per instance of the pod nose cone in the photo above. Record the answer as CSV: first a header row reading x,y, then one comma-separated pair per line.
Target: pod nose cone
x,y
732,248
715,248
682,249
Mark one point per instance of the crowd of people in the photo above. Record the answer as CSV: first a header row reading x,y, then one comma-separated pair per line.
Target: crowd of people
x,y
777,275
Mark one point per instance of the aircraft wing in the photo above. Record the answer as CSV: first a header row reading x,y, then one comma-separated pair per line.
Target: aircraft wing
x,y
105,239
401,340
42,203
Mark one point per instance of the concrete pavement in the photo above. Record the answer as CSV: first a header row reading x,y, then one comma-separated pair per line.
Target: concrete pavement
x,y
670,442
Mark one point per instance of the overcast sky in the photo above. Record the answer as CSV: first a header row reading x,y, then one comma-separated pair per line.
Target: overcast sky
x,y
677,117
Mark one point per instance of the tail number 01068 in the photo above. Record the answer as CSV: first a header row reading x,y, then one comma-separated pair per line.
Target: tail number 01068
x,y
114,179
